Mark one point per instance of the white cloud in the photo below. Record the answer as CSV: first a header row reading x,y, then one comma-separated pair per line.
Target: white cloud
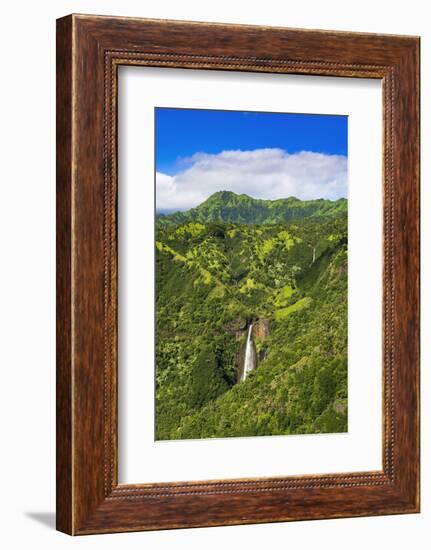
x,y
262,173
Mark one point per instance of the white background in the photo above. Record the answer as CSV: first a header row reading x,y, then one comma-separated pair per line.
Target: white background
x,y
143,460
27,123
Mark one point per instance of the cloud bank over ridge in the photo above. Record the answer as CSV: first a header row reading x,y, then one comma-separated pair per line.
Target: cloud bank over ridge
x,y
261,173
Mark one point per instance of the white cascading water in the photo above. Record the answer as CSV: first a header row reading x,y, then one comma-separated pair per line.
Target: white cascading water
x,y
249,353
314,256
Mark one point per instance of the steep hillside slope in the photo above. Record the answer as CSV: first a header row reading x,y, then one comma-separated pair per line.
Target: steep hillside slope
x,y
229,207
289,280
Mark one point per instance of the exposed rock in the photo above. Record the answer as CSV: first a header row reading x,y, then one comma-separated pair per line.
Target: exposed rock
x,y
261,329
237,327
263,353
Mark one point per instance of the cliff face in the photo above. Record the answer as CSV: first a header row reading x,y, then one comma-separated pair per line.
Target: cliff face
x,y
237,327
261,329
260,332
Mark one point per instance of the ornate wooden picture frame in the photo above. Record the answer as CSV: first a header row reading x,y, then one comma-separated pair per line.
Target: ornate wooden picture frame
x,y
89,51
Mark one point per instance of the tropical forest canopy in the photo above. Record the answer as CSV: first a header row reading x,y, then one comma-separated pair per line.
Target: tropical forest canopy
x,y
232,261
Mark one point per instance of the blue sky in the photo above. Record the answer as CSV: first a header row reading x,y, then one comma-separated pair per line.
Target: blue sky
x,y
266,155
180,133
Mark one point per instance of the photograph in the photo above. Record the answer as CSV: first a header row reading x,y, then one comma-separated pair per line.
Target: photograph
x,y
214,235
251,273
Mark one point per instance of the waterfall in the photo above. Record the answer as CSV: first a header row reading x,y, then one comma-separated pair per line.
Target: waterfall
x,y
314,256
249,359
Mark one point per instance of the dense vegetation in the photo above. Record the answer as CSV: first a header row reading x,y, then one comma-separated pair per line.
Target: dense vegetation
x,y
230,207
232,261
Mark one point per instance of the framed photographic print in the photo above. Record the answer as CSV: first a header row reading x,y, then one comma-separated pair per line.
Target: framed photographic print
x,y
237,274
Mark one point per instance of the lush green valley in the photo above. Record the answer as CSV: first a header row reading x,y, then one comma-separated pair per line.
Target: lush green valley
x,y
280,265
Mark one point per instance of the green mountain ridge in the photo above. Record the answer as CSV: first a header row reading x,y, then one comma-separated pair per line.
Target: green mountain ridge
x,y
227,206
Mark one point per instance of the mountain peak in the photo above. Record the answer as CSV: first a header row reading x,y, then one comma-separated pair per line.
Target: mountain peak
x,y
220,195
231,196
228,196
227,206
224,194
